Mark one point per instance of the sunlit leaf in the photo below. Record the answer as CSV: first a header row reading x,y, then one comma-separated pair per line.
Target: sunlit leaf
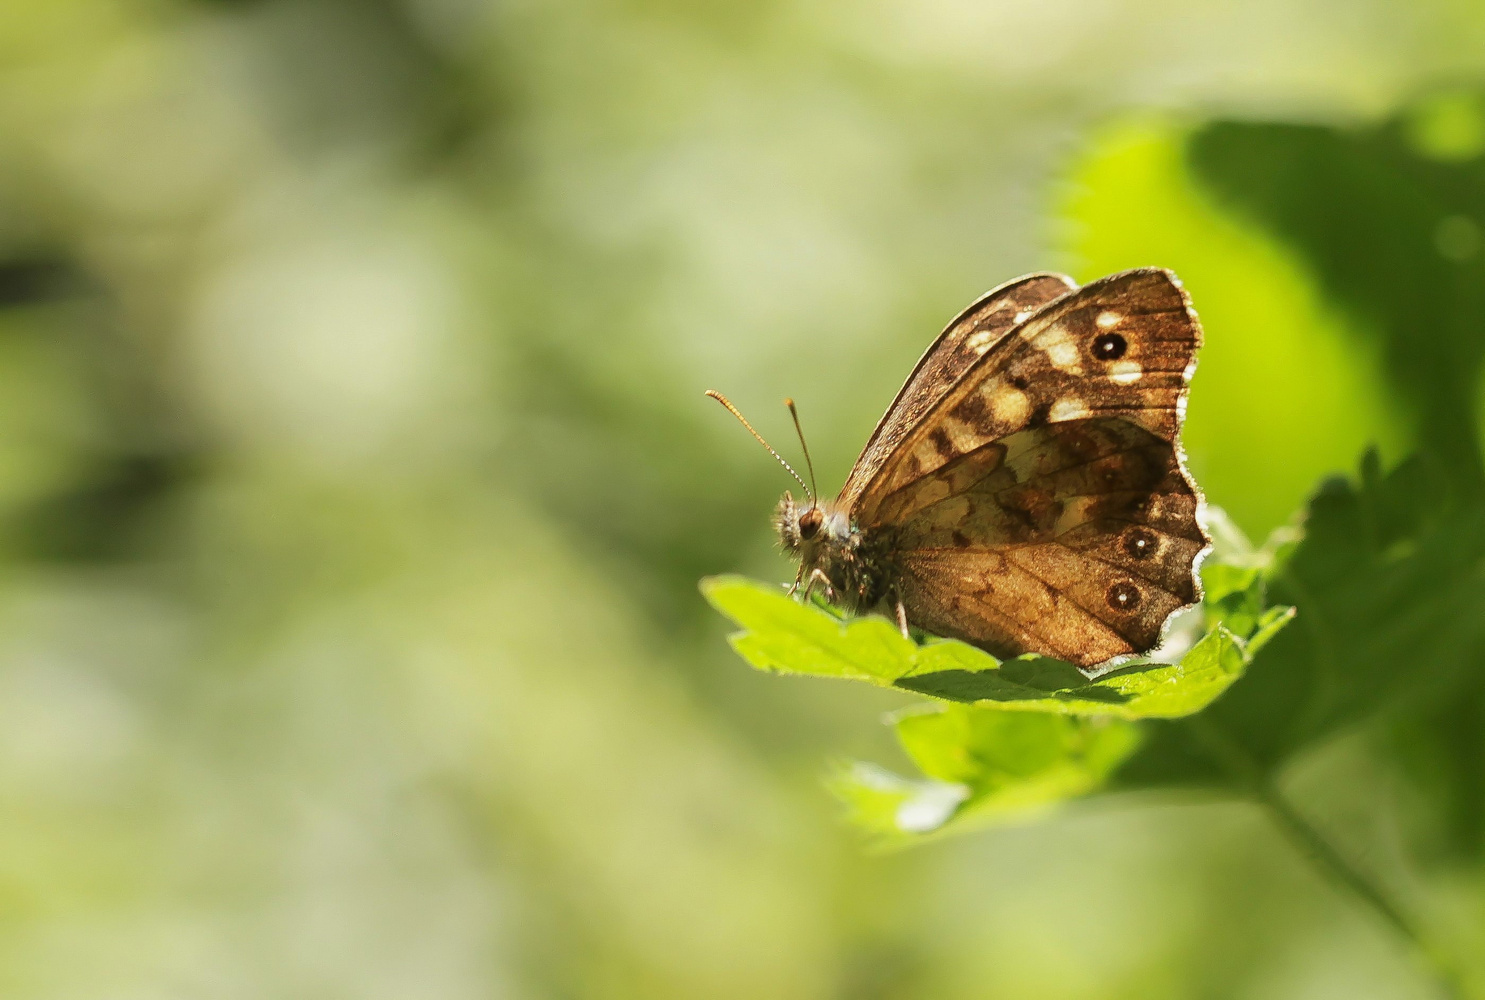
x,y
982,767
781,634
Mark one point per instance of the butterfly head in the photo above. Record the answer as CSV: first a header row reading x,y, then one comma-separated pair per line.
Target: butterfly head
x,y
806,529
797,528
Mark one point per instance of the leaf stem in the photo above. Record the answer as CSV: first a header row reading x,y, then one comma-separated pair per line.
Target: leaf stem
x,y
1322,854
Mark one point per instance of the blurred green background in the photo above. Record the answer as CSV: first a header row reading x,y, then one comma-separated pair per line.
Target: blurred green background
x,y
355,476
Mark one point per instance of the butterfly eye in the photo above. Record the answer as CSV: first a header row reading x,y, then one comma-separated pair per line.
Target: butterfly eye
x,y
1109,347
809,523
1123,596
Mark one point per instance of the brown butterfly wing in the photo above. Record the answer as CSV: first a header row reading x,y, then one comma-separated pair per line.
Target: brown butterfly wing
x,y
1078,543
967,338
1041,504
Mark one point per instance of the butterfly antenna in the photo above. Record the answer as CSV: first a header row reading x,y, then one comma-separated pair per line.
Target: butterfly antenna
x,y
734,411
809,462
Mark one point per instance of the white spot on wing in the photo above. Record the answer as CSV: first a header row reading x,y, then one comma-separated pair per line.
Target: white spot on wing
x,y
1071,408
1059,348
1023,314
1108,319
980,342
1009,405
961,435
1125,372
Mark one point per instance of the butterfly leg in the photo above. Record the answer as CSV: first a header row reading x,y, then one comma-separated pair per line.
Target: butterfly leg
x,y
797,577
818,574
902,624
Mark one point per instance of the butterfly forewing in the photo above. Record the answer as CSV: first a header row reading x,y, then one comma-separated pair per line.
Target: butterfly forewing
x,y
1040,503
1121,345
967,338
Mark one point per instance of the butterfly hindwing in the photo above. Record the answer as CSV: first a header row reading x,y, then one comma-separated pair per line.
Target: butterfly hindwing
x,y
1040,503
967,338
1079,544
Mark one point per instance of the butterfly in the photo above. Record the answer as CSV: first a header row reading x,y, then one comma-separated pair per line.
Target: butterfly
x,y
1026,491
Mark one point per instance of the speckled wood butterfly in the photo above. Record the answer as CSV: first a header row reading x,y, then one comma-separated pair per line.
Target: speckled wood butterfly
x,y
1025,491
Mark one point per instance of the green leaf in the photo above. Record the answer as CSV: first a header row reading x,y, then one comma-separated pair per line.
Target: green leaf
x,y
1269,624
983,767
782,635
1139,691
1021,733
1391,613
1370,210
890,809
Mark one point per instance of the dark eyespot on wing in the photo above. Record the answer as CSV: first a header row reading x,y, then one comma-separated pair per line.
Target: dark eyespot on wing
x,y
1140,543
1109,347
1123,595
